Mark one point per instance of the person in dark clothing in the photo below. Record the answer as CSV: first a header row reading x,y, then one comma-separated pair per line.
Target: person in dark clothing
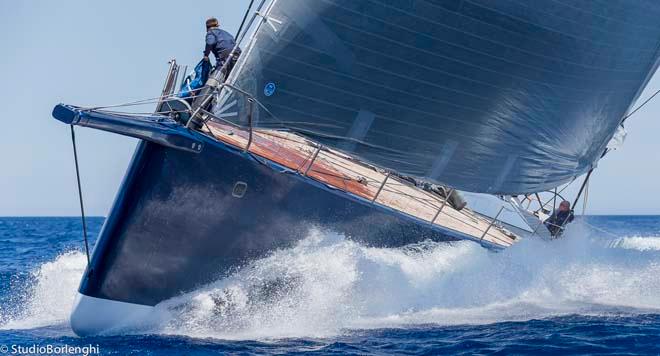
x,y
559,218
220,43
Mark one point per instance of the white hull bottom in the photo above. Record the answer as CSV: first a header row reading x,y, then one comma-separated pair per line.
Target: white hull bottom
x,y
94,316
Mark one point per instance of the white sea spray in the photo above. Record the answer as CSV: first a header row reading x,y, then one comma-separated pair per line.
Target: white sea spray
x,y
327,285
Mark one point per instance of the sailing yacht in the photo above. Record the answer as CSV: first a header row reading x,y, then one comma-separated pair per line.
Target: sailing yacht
x,y
361,118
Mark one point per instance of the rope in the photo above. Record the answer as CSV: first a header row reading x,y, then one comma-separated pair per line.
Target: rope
x,y
80,196
542,204
247,12
640,106
154,100
583,221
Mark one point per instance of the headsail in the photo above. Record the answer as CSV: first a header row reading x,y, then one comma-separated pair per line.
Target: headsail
x,y
486,96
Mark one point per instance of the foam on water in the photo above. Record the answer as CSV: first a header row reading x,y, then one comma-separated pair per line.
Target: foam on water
x,y
327,285
48,297
638,243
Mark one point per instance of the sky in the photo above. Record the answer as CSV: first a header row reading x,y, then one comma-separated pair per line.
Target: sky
x,y
91,53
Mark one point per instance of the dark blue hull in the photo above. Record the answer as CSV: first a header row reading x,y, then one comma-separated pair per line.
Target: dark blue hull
x,y
176,225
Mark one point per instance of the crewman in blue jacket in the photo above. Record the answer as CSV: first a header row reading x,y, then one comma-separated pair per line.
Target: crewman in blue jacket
x,y
220,43
555,223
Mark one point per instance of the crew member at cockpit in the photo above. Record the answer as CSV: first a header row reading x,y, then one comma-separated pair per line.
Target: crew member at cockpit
x,y
220,43
559,218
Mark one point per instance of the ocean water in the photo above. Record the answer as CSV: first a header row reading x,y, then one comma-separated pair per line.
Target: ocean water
x,y
596,291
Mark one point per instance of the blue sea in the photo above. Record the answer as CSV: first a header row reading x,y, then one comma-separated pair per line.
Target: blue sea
x,y
596,291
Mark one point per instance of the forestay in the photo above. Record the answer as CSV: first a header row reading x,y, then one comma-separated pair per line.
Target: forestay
x,y
506,96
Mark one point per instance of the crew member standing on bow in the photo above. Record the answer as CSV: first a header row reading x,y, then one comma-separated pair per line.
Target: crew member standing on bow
x,y
220,43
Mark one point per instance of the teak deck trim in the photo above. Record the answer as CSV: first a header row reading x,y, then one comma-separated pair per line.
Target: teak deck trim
x,y
340,171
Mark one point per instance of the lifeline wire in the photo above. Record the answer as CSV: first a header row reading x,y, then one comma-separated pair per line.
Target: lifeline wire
x,y
80,197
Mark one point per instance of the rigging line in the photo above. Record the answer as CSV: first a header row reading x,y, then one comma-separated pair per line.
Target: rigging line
x,y
640,106
210,131
584,221
130,103
586,180
560,191
247,12
80,196
141,102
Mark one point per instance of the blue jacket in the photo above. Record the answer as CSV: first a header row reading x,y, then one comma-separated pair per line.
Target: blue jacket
x,y
556,222
220,43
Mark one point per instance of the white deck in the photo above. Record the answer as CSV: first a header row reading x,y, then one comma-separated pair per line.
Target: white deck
x,y
339,171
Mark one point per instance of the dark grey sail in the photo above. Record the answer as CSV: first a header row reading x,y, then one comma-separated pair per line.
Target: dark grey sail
x,y
506,96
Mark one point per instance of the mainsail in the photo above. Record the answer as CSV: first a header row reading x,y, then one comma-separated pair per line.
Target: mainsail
x,y
506,96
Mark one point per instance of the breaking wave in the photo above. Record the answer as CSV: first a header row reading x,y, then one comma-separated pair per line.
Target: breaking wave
x,y
47,296
327,285
638,243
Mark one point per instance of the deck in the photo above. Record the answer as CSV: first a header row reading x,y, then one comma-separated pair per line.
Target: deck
x,y
340,171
